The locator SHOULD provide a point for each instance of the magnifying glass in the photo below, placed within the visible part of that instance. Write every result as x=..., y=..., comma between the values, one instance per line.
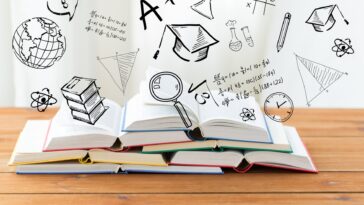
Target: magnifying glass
x=167, y=87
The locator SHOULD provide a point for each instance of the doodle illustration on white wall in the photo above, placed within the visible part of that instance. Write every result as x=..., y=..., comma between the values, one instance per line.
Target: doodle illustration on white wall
x=63, y=7
x=260, y=3
x=171, y=1
x=168, y=87
x=192, y=41
x=323, y=18
x=279, y=107
x=248, y=37
x=119, y=65
x=235, y=44
x=39, y=43
x=247, y=114
x=342, y=47
x=203, y=8
x=42, y=99
x=283, y=33
x=84, y=100
x=145, y=14
x=316, y=78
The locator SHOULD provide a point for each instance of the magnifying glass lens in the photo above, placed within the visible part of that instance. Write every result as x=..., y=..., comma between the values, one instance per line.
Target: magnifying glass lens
x=166, y=87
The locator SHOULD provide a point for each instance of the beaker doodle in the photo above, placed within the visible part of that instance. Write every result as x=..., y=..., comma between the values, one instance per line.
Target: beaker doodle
x=247, y=36
x=235, y=44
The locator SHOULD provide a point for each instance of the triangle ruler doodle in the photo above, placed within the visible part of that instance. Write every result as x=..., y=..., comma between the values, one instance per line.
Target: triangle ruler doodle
x=203, y=8
x=316, y=78
x=119, y=66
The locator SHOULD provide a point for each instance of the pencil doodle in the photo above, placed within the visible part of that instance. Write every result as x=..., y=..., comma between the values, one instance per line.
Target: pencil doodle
x=283, y=33
x=172, y=2
x=265, y=3
x=168, y=87
x=342, y=47
x=84, y=100
x=204, y=96
x=42, y=99
x=316, y=78
x=322, y=18
x=247, y=36
x=192, y=41
x=63, y=7
x=145, y=14
x=120, y=65
x=279, y=107
x=235, y=44
x=203, y=8
x=38, y=43
x=247, y=114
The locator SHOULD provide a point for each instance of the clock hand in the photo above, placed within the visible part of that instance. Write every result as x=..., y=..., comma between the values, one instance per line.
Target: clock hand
x=279, y=106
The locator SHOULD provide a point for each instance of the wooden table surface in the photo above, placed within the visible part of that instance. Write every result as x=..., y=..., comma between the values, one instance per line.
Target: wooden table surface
x=335, y=139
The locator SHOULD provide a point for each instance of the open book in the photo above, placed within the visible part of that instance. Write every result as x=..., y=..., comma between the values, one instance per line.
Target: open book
x=277, y=130
x=144, y=113
x=299, y=159
x=28, y=150
x=66, y=133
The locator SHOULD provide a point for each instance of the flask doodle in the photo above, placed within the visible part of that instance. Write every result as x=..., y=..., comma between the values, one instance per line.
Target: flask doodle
x=235, y=44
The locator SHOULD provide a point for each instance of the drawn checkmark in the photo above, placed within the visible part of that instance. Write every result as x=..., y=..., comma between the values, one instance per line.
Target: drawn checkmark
x=280, y=105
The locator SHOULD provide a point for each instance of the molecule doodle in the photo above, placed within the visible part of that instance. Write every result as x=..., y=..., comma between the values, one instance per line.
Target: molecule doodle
x=43, y=99
x=247, y=114
x=342, y=47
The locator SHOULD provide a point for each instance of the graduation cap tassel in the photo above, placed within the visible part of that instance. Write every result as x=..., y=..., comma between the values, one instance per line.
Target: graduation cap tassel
x=346, y=21
x=156, y=54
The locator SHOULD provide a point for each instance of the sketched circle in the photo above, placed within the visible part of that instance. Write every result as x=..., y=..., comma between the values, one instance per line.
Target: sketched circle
x=154, y=81
x=38, y=43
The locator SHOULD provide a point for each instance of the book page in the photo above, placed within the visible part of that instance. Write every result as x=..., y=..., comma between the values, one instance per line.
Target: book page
x=35, y=131
x=246, y=112
x=109, y=124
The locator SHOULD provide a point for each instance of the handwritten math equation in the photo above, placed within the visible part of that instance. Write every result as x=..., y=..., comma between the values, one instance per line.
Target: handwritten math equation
x=248, y=81
x=106, y=26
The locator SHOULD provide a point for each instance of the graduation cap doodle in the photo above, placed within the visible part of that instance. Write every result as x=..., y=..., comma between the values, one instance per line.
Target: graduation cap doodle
x=322, y=19
x=192, y=41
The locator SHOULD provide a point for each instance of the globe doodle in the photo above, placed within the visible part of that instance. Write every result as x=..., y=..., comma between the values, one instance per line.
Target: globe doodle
x=39, y=43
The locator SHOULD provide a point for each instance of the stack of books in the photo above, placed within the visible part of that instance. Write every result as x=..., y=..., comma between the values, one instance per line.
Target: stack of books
x=146, y=136
x=83, y=98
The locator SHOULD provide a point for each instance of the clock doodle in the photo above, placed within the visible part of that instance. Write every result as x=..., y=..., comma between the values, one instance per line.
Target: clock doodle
x=278, y=107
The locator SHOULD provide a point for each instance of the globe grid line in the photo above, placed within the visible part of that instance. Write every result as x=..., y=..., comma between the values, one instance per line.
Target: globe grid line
x=37, y=49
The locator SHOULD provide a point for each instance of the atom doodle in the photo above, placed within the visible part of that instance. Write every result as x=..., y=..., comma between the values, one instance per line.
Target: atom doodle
x=342, y=47
x=43, y=99
x=247, y=114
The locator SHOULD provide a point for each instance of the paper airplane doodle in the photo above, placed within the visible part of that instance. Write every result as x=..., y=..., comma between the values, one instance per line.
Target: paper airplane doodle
x=63, y=7
x=119, y=65
x=203, y=8
x=322, y=19
x=316, y=78
x=192, y=41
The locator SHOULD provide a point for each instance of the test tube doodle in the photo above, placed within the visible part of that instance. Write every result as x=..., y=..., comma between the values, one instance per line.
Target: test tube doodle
x=247, y=36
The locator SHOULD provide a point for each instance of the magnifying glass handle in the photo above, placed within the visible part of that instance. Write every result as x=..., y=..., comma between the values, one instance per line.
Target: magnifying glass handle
x=183, y=114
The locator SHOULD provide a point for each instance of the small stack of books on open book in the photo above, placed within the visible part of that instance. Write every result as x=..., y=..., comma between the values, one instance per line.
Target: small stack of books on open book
x=146, y=136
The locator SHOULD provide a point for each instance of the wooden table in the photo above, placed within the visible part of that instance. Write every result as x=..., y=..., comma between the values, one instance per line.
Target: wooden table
x=335, y=139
